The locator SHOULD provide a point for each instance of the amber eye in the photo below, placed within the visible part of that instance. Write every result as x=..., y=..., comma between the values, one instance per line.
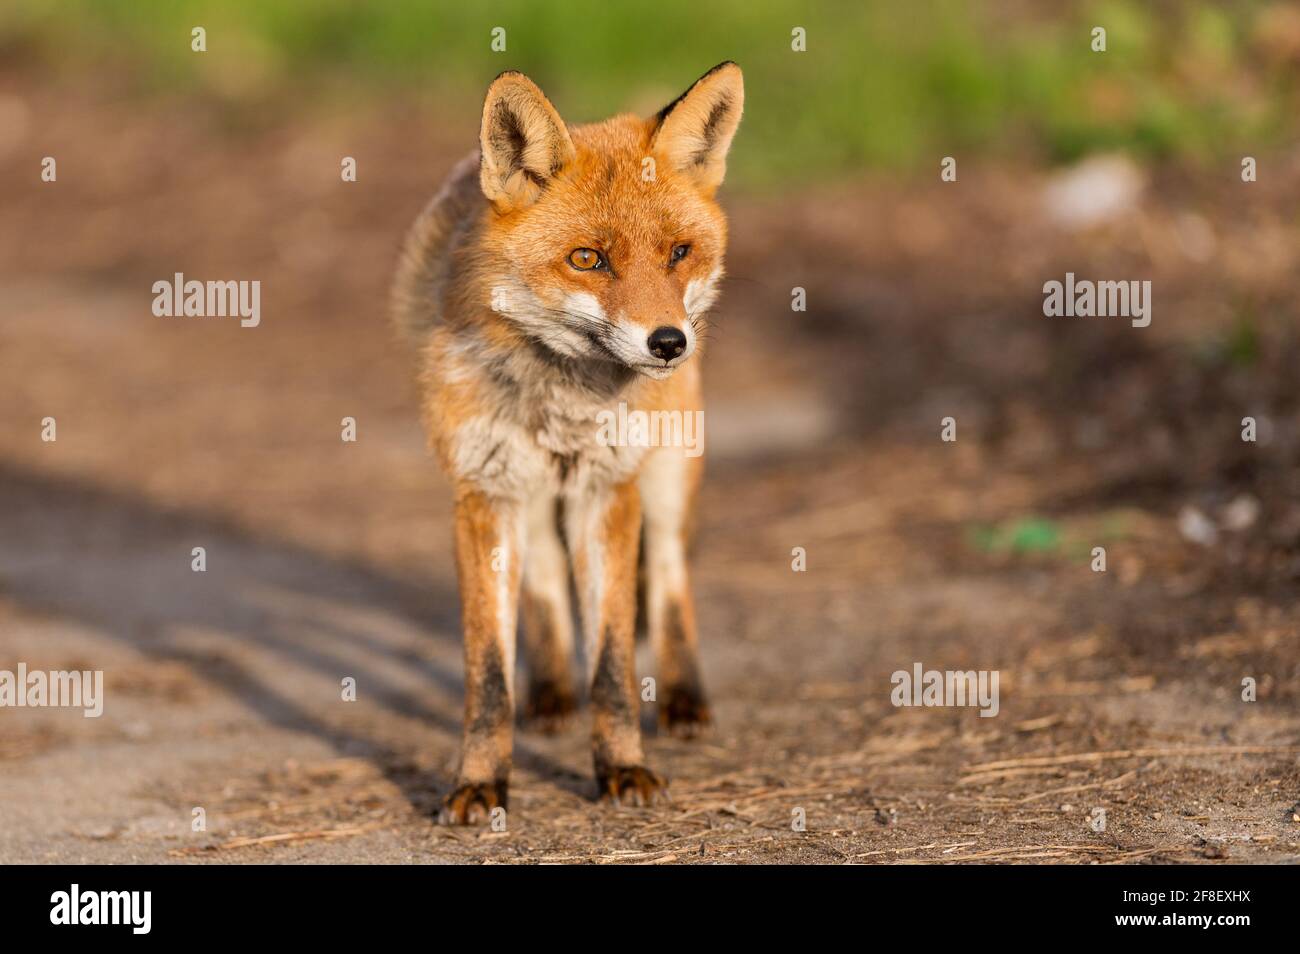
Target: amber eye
x=585, y=259
x=679, y=252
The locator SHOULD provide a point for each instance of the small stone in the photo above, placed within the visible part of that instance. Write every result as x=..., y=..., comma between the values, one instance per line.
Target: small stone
x=1241, y=514
x=1197, y=527
x=1097, y=190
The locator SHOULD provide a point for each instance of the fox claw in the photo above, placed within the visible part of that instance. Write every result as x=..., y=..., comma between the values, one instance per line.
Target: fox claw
x=631, y=786
x=472, y=803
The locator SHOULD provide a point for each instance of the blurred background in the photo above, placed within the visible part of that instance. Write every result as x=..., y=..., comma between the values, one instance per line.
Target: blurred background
x=883, y=85
x=924, y=301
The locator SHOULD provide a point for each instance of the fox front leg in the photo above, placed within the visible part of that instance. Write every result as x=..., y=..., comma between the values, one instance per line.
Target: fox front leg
x=488, y=544
x=602, y=528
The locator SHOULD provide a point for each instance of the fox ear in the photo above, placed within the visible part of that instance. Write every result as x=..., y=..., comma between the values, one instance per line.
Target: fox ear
x=522, y=142
x=694, y=131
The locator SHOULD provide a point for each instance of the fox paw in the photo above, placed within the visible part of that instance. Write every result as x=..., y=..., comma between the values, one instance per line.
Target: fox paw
x=549, y=706
x=631, y=785
x=684, y=712
x=472, y=803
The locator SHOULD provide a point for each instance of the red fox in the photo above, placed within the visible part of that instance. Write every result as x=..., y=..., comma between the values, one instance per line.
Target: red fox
x=561, y=274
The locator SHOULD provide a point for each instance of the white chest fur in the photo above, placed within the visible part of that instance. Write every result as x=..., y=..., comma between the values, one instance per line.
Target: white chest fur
x=541, y=434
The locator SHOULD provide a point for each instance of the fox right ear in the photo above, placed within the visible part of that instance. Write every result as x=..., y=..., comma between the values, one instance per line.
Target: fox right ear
x=522, y=142
x=694, y=131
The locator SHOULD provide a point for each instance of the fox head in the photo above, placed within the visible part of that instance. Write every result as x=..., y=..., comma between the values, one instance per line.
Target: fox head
x=606, y=241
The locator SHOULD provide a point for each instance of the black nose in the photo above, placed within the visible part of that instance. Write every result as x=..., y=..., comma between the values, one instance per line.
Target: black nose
x=667, y=343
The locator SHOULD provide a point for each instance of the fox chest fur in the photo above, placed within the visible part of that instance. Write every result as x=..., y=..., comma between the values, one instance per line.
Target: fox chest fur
x=521, y=424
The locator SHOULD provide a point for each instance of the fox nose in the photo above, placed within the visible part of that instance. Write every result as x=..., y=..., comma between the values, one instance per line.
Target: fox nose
x=666, y=343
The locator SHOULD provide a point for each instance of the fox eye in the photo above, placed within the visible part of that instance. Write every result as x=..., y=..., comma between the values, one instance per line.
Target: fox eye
x=586, y=259
x=679, y=252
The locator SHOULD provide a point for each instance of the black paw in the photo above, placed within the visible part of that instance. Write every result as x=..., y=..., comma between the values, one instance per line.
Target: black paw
x=549, y=707
x=683, y=712
x=472, y=803
x=631, y=785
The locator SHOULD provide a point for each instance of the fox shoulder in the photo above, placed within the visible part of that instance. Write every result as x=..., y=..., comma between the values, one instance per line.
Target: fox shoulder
x=424, y=268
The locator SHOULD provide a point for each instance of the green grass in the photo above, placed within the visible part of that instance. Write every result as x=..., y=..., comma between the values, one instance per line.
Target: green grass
x=1033, y=536
x=896, y=85
x=1021, y=536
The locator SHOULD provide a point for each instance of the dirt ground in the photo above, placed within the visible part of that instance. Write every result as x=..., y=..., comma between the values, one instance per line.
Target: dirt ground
x=1120, y=690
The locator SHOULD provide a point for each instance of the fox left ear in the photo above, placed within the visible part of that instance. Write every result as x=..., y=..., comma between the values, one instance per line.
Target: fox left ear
x=694, y=131
x=522, y=142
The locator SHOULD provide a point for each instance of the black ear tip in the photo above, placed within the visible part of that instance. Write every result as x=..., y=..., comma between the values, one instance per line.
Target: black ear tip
x=507, y=76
